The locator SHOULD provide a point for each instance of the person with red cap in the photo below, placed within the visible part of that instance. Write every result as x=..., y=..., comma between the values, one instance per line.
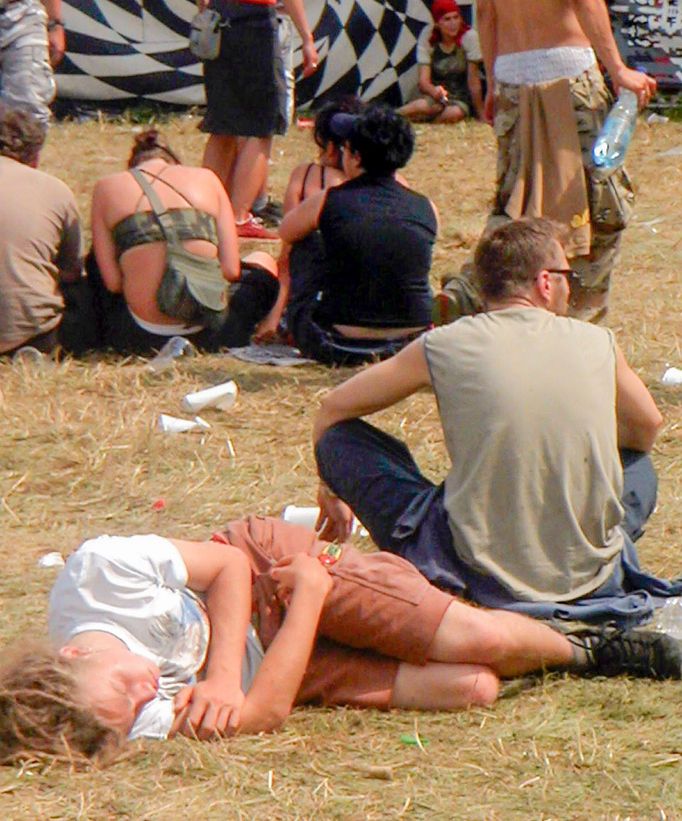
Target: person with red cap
x=449, y=69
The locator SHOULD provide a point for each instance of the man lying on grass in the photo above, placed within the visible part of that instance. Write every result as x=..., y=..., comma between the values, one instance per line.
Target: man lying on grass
x=152, y=636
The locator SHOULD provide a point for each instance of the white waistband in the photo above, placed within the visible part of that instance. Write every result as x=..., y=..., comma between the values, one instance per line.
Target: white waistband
x=165, y=330
x=542, y=65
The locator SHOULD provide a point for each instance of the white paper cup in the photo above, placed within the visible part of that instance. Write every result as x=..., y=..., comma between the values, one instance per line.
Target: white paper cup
x=53, y=559
x=305, y=516
x=171, y=424
x=673, y=376
x=222, y=397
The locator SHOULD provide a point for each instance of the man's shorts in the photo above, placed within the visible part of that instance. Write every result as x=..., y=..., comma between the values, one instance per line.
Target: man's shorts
x=245, y=85
x=379, y=612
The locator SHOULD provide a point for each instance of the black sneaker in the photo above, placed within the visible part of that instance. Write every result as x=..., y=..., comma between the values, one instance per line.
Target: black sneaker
x=640, y=653
x=271, y=213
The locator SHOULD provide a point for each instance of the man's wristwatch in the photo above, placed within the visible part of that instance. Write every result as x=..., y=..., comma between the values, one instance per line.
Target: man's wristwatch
x=53, y=24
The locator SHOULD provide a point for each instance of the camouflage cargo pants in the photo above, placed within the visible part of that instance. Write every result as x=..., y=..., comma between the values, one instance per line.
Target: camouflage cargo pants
x=611, y=200
x=26, y=79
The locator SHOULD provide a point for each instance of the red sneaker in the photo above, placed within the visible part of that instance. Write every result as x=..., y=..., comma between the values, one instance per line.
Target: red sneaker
x=253, y=228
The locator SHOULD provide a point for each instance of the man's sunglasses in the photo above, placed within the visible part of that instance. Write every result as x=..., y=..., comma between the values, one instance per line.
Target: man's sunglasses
x=572, y=276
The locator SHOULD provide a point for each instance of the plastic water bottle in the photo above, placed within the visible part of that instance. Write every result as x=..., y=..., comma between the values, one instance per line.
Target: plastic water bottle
x=608, y=151
x=668, y=619
x=176, y=347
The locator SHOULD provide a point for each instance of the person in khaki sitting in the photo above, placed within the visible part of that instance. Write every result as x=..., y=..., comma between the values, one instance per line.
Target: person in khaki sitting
x=131, y=253
x=44, y=302
x=547, y=430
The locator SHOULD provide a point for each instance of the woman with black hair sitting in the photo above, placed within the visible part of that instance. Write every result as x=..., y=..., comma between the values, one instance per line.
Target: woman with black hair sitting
x=369, y=294
x=306, y=180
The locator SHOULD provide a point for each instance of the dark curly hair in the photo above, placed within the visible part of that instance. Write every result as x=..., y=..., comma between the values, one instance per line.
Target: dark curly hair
x=383, y=139
x=41, y=715
x=322, y=132
x=149, y=145
x=21, y=134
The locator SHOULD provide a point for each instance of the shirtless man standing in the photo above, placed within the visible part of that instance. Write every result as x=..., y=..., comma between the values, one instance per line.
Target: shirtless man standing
x=542, y=56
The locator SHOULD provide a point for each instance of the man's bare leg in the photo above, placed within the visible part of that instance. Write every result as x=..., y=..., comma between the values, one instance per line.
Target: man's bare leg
x=444, y=686
x=249, y=175
x=509, y=643
x=219, y=156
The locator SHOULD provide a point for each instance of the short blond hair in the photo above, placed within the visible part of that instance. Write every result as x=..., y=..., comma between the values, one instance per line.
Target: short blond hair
x=41, y=715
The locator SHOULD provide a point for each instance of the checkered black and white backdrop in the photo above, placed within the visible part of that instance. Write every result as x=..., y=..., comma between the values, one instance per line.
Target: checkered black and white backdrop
x=123, y=49
x=119, y=49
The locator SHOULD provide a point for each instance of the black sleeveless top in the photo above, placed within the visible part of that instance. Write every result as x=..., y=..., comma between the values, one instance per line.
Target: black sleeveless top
x=378, y=237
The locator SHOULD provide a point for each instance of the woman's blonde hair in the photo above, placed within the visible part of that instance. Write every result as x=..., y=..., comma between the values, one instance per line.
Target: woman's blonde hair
x=40, y=714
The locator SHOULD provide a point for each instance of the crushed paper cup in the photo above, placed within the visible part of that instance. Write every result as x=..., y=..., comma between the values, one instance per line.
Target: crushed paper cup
x=171, y=424
x=221, y=396
x=654, y=118
x=53, y=559
x=676, y=151
x=672, y=376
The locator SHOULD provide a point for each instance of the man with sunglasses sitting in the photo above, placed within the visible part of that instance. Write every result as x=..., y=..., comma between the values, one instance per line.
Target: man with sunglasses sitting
x=547, y=429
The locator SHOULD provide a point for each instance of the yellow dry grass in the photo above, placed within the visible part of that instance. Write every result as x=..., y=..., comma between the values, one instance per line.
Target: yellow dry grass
x=79, y=456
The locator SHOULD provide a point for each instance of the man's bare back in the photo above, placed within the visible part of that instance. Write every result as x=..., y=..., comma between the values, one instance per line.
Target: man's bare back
x=524, y=25
x=511, y=26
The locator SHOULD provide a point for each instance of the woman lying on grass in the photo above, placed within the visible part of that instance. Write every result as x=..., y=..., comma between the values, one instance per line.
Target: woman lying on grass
x=153, y=637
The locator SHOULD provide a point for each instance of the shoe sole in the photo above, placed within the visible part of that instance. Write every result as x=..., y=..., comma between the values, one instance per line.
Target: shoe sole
x=260, y=239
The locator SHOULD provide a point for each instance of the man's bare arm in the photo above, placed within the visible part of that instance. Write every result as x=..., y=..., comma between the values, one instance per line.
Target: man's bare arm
x=475, y=88
x=306, y=583
x=56, y=36
x=223, y=573
x=370, y=390
x=296, y=10
x=487, y=32
x=593, y=17
x=375, y=388
x=637, y=415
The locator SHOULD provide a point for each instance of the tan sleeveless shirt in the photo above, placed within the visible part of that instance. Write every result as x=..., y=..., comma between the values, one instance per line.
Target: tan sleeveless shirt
x=527, y=403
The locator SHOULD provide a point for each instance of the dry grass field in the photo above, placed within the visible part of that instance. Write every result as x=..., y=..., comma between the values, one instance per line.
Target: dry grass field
x=79, y=456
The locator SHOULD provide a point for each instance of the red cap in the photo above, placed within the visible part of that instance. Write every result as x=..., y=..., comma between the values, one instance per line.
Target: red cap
x=442, y=7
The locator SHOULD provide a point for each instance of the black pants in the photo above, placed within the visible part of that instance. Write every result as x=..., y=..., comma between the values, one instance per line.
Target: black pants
x=307, y=265
x=250, y=300
x=404, y=512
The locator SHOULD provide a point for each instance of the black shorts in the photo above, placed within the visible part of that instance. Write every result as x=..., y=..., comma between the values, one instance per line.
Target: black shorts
x=245, y=85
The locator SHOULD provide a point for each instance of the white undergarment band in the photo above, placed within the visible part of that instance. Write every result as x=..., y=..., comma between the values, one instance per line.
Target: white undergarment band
x=542, y=65
x=165, y=330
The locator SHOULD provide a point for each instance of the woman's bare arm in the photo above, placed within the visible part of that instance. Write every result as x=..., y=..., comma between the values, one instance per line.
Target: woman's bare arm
x=102, y=239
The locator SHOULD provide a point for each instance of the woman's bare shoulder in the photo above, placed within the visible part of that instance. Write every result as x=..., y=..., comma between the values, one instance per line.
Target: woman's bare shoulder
x=299, y=172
